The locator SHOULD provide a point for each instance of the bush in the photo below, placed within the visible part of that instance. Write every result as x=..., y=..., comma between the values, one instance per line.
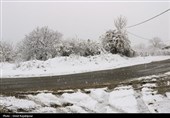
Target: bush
x=115, y=42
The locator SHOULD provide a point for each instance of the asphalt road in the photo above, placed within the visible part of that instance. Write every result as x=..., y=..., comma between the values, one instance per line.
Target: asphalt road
x=83, y=80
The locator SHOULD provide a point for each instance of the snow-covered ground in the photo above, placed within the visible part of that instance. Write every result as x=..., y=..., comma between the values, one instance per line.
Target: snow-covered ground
x=72, y=64
x=141, y=98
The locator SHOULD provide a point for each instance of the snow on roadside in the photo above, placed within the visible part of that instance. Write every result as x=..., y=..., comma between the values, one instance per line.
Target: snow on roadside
x=77, y=102
x=82, y=100
x=117, y=101
x=100, y=95
x=46, y=99
x=72, y=64
x=14, y=104
x=98, y=100
x=168, y=73
x=124, y=100
x=156, y=103
x=44, y=110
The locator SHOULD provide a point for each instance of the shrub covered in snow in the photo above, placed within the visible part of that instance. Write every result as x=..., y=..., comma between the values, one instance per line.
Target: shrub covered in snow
x=116, y=41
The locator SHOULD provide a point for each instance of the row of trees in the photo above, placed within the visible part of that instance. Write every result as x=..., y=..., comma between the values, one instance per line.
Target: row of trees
x=40, y=48
x=44, y=43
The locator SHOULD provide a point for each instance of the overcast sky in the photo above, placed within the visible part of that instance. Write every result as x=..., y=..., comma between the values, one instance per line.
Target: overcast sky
x=87, y=20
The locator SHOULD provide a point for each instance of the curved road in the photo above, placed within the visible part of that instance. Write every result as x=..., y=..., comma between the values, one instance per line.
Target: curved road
x=83, y=80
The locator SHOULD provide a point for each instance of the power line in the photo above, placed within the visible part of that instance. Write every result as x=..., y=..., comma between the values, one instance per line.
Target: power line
x=138, y=36
x=148, y=19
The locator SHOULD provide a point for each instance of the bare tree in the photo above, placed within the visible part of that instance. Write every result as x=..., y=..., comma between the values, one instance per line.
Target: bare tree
x=120, y=23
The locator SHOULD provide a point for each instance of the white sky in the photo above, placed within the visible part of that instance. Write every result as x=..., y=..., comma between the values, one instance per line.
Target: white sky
x=87, y=20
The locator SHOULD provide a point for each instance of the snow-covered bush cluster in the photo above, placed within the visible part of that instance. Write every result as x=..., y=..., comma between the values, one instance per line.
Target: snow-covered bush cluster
x=44, y=43
x=80, y=47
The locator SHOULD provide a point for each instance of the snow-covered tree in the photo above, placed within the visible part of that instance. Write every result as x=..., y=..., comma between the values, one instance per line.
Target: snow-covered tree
x=40, y=44
x=6, y=52
x=116, y=41
x=156, y=42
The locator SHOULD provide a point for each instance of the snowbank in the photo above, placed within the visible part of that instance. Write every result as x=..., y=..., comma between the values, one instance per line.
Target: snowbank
x=14, y=104
x=72, y=64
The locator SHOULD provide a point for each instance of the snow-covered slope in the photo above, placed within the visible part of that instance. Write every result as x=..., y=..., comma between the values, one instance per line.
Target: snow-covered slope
x=72, y=64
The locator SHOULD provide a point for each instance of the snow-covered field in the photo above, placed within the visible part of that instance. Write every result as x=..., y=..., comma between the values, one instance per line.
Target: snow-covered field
x=141, y=97
x=72, y=64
